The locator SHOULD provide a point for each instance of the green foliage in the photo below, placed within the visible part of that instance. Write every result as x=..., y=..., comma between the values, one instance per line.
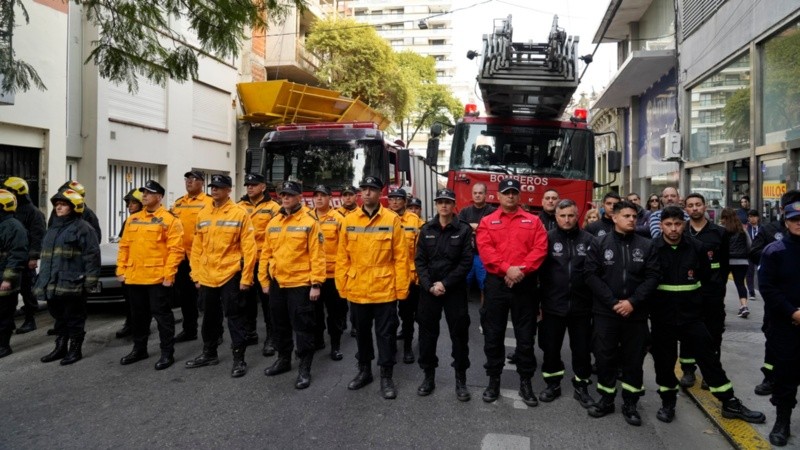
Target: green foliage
x=781, y=89
x=16, y=74
x=737, y=117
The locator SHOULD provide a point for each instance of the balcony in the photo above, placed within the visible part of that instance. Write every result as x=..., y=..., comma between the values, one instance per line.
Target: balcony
x=294, y=63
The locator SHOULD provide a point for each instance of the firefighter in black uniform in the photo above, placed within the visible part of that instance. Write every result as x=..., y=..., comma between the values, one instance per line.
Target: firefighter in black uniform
x=13, y=259
x=88, y=215
x=443, y=258
x=606, y=223
x=715, y=245
x=548, y=213
x=622, y=272
x=566, y=305
x=676, y=314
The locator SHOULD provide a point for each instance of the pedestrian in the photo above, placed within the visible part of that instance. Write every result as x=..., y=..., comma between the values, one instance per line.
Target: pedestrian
x=349, y=203
x=653, y=203
x=622, y=272
x=443, y=258
x=70, y=268
x=642, y=215
x=669, y=196
x=472, y=215
x=330, y=223
x=738, y=248
x=592, y=215
x=150, y=251
x=744, y=209
x=605, y=225
x=372, y=273
x=411, y=224
x=566, y=306
x=291, y=271
x=512, y=244
x=186, y=208
x=13, y=260
x=777, y=275
x=548, y=214
x=415, y=206
x=88, y=215
x=223, y=257
x=752, y=229
x=676, y=315
x=715, y=242
x=261, y=209
x=33, y=220
x=133, y=202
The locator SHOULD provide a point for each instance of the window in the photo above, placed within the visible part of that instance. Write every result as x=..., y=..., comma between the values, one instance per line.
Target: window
x=781, y=88
x=148, y=107
x=436, y=42
x=211, y=109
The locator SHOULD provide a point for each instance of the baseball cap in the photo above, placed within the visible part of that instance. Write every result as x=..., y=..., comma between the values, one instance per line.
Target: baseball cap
x=291, y=188
x=254, y=178
x=508, y=184
x=153, y=186
x=398, y=193
x=321, y=188
x=415, y=202
x=349, y=190
x=220, y=181
x=373, y=182
x=445, y=194
x=791, y=210
x=194, y=173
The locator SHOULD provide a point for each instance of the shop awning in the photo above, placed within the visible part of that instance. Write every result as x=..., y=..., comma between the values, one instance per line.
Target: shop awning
x=639, y=72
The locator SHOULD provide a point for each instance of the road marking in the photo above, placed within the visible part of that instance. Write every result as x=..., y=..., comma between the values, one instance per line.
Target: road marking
x=493, y=441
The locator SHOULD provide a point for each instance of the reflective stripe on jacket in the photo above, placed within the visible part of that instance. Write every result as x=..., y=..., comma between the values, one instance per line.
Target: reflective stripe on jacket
x=70, y=259
x=186, y=209
x=224, y=244
x=151, y=248
x=292, y=253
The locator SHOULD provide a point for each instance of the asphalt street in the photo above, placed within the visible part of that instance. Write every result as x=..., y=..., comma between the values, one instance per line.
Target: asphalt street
x=97, y=403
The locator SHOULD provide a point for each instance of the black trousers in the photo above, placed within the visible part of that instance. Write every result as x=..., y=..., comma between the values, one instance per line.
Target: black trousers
x=337, y=312
x=714, y=320
x=29, y=303
x=429, y=316
x=552, y=329
x=150, y=301
x=384, y=315
x=291, y=310
x=187, y=297
x=69, y=313
x=408, y=311
x=619, y=342
x=784, y=343
x=769, y=350
x=224, y=301
x=665, y=339
x=8, y=306
x=499, y=299
x=253, y=297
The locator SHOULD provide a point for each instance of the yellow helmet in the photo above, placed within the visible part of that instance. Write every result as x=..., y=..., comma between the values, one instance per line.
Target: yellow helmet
x=8, y=201
x=76, y=186
x=72, y=197
x=133, y=195
x=16, y=185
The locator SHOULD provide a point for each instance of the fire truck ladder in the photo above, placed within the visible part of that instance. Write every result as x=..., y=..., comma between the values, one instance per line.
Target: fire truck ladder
x=528, y=79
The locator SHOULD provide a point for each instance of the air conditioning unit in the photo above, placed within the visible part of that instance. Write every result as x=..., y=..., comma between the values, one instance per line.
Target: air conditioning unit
x=671, y=146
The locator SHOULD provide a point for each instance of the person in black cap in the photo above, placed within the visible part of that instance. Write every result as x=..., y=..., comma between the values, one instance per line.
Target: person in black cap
x=415, y=206
x=261, y=209
x=186, y=209
x=512, y=244
x=408, y=307
x=349, y=203
x=150, y=251
x=443, y=258
x=223, y=258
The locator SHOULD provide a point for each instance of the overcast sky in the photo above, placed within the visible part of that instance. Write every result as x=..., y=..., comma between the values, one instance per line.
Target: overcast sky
x=531, y=20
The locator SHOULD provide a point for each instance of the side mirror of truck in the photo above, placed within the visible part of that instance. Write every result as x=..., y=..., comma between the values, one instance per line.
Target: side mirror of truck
x=403, y=160
x=614, y=161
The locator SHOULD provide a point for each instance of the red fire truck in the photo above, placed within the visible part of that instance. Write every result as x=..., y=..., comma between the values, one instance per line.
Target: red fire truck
x=526, y=88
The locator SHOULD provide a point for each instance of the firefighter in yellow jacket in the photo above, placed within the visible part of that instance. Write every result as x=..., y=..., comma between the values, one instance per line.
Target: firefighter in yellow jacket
x=150, y=251
x=372, y=273
x=186, y=209
x=223, y=258
x=292, y=270
x=408, y=307
x=261, y=208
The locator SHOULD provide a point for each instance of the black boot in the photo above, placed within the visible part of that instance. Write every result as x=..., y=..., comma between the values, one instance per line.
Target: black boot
x=125, y=331
x=492, y=391
x=667, y=412
x=733, y=408
x=630, y=413
x=5, y=347
x=336, y=342
x=74, y=353
x=239, y=368
x=388, y=391
x=137, y=354
x=167, y=359
x=408, y=353
x=186, y=336
x=28, y=325
x=688, y=379
x=428, y=383
x=583, y=397
x=304, y=372
x=526, y=392
x=602, y=408
x=251, y=338
x=779, y=436
x=766, y=386
x=281, y=365
x=462, y=393
x=363, y=378
x=59, y=352
x=269, y=348
x=551, y=392
x=207, y=358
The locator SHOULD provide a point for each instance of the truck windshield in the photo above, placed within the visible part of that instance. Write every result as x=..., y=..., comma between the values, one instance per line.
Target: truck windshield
x=334, y=164
x=519, y=149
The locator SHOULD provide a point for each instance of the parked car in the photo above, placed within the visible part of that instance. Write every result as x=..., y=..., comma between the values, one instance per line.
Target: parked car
x=109, y=289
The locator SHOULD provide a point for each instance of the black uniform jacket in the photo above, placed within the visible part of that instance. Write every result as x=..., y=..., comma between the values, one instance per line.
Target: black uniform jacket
x=771, y=232
x=622, y=267
x=715, y=241
x=562, y=278
x=684, y=269
x=444, y=254
x=777, y=279
x=13, y=252
x=70, y=262
x=600, y=227
x=33, y=220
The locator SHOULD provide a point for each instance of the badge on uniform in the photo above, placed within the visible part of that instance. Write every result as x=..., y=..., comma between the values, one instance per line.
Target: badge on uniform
x=321, y=238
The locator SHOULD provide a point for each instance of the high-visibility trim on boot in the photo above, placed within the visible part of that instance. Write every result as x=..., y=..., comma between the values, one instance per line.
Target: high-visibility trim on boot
x=667, y=389
x=630, y=388
x=723, y=388
x=769, y=366
x=608, y=390
x=554, y=374
x=580, y=380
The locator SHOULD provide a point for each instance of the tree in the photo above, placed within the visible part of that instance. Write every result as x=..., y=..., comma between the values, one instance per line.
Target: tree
x=737, y=118
x=136, y=37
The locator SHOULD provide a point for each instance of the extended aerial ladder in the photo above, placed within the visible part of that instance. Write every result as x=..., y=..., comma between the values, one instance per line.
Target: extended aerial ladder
x=528, y=79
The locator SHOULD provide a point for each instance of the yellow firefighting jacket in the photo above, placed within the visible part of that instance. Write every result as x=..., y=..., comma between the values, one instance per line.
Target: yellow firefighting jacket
x=260, y=215
x=330, y=224
x=411, y=226
x=151, y=247
x=372, y=259
x=292, y=253
x=186, y=209
x=344, y=211
x=224, y=244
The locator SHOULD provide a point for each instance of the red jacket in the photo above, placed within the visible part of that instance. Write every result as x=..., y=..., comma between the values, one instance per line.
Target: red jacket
x=516, y=239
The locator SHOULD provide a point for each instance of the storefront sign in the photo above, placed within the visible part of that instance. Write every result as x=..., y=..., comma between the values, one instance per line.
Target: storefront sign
x=773, y=190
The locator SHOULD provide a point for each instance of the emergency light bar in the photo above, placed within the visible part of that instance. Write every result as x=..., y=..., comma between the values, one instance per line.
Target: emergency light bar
x=580, y=114
x=471, y=109
x=328, y=126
